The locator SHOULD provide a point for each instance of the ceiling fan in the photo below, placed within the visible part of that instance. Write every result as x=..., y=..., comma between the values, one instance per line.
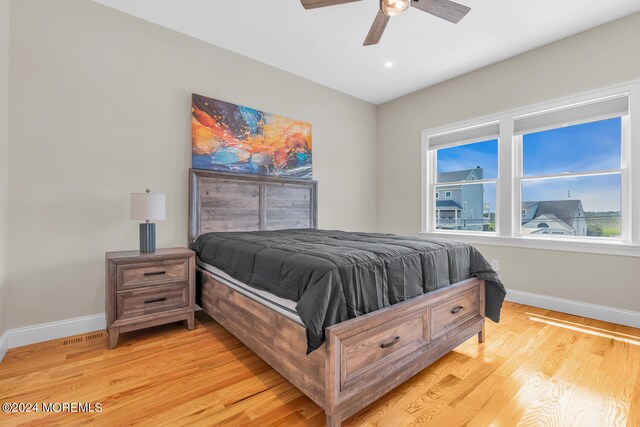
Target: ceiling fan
x=445, y=9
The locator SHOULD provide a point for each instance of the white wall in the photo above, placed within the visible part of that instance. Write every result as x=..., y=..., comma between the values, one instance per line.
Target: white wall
x=598, y=58
x=4, y=153
x=101, y=108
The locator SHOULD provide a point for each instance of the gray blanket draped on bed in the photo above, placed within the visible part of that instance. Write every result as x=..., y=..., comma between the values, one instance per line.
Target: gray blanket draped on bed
x=335, y=275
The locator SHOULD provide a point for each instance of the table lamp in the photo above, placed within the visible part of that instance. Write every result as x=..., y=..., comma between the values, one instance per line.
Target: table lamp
x=147, y=207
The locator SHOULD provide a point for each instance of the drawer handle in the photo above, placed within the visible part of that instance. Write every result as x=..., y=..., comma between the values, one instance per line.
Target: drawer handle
x=457, y=309
x=149, y=301
x=390, y=343
x=155, y=273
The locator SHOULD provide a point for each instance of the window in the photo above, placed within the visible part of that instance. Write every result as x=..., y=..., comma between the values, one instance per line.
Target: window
x=437, y=194
x=557, y=173
x=571, y=175
x=466, y=170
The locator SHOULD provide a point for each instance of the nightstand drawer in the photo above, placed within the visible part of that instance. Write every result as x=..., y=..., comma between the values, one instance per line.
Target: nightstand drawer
x=150, y=301
x=152, y=273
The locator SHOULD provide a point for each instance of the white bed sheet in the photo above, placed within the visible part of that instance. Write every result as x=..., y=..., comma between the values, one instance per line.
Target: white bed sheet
x=281, y=305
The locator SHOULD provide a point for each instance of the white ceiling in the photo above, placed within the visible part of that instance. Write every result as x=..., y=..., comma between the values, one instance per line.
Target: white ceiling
x=325, y=45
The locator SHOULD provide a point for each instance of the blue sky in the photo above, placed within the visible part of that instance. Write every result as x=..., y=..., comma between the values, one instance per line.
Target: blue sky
x=579, y=148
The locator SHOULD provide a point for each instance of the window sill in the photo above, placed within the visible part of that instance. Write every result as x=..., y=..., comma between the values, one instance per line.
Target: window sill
x=615, y=247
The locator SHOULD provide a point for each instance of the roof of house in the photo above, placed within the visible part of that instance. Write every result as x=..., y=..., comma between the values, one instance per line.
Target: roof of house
x=565, y=210
x=447, y=204
x=549, y=221
x=461, y=175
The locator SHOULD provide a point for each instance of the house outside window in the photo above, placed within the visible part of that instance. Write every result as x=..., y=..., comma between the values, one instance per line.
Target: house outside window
x=466, y=189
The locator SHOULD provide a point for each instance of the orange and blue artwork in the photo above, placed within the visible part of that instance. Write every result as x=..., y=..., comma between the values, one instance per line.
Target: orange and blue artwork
x=232, y=138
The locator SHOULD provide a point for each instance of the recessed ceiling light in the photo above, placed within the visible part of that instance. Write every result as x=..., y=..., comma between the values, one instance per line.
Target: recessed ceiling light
x=388, y=64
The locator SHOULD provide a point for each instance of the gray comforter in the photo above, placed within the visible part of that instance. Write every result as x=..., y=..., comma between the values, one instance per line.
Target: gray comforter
x=337, y=275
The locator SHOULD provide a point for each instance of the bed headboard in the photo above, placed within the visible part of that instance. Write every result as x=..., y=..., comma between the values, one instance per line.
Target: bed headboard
x=221, y=201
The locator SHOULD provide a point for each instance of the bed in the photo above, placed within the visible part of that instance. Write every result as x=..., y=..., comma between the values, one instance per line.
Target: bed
x=355, y=360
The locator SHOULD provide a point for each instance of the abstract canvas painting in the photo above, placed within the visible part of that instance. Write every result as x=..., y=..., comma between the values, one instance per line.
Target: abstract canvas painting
x=232, y=138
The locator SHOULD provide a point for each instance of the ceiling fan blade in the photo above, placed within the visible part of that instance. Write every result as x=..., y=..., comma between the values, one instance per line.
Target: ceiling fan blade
x=313, y=4
x=377, y=28
x=445, y=9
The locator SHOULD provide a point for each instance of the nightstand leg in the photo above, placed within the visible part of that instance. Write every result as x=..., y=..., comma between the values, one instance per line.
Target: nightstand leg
x=191, y=322
x=113, y=337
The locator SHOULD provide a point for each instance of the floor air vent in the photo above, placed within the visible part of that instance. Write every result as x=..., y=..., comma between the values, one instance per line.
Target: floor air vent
x=94, y=336
x=85, y=338
x=73, y=341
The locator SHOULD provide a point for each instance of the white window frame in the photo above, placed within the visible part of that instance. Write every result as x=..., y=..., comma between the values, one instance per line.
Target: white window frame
x=430, y=156
x=520, y=178
x=448, y=194
x=508, y=184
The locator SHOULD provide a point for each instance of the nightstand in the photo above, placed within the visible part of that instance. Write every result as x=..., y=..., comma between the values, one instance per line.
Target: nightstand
x=149, y=289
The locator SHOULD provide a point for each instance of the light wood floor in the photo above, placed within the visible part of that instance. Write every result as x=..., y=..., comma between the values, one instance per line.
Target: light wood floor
x=537, y=368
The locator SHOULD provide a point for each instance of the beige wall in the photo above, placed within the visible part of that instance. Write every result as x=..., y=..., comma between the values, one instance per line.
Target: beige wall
x=4, y=152
x=598, y=58
x=101, y=108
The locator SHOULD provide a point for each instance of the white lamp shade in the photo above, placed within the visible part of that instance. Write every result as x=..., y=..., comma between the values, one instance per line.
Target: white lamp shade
x=148, y=206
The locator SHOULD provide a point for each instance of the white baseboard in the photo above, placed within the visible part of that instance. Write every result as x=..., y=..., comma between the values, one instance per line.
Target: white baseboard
x=81, y=325
x=51, y=331
x=4, y=344
x=54, y=330
x=592, y=311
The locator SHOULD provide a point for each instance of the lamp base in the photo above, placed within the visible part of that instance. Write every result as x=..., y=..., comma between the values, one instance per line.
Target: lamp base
x=147, y=237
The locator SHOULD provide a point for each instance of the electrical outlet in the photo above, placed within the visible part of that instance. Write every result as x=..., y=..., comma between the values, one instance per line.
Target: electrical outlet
x=495, y=263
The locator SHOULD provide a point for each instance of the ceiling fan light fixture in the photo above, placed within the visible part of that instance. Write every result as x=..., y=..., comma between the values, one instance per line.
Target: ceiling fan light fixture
x=394, y=7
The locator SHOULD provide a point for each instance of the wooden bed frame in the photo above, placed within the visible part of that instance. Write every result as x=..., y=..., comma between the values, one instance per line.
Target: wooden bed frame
x=362, y=358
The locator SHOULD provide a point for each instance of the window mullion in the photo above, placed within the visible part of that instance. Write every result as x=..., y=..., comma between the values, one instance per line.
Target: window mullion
x=517, y=167
x=504, y=190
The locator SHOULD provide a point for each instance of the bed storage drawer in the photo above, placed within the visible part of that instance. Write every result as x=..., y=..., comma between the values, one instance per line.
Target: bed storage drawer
x=152, y=273
x=364, y=354
x=151, y=301
x=454, y=311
